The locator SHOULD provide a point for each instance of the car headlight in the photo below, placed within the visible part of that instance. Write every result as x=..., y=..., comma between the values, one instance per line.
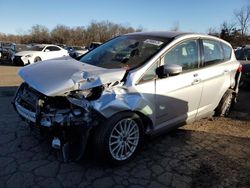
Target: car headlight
x=28, y=56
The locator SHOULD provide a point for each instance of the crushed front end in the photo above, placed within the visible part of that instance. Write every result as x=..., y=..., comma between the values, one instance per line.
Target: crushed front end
x=61, y=118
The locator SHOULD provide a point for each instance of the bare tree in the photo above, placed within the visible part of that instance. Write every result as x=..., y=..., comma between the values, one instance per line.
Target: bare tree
x=40, y=34
x=228, y=27
x=60, y=34
x=176, y=26
x=243, y=19
x=213, y=31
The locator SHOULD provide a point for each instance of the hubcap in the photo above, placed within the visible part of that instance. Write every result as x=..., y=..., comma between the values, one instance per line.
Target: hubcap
x=124, y=139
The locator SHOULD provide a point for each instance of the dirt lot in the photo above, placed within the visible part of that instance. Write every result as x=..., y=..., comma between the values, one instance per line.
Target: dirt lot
x=209, y=153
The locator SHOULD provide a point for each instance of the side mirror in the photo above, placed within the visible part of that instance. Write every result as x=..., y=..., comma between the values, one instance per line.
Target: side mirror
x=47, y=50
x=168, y=70
x=172, y=69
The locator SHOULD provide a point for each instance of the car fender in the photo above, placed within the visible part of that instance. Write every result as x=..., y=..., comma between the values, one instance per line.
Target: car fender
x=112, y=102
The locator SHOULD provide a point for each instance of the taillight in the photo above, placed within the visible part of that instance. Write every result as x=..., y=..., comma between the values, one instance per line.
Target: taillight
x=239, y=68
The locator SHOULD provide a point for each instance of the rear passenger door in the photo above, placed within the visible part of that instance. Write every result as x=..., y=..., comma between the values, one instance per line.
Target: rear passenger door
x=214, y=73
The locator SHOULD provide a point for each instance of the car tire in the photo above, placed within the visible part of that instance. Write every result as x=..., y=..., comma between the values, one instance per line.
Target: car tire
x=225, y=104
x=118, y=139
x=37, y=59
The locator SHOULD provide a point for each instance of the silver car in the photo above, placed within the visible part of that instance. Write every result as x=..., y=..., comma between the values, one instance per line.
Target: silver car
x=131, y=86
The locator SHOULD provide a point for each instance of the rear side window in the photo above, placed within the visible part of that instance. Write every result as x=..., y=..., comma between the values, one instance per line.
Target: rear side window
x=227, y=51
x=212, y=52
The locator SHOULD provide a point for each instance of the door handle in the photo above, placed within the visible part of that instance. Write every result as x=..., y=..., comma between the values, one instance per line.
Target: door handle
x=195, y=75
x=196, y=81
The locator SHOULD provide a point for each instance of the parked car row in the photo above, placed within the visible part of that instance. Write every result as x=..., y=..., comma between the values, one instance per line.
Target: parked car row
x=39, y=52
x=28, y=54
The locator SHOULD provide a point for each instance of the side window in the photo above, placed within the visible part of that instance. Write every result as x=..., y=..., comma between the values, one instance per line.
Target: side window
x=150, y=74
x=185, y=54
x=212, y=52
x=227, y=51
x=48, y=48
x=53, y=48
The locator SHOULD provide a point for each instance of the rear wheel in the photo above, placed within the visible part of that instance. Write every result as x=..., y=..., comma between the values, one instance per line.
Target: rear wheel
x=119, y=139
x=225, y=104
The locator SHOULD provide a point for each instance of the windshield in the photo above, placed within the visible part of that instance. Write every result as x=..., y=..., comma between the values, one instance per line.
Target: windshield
x=36, y=48
x=126, y=52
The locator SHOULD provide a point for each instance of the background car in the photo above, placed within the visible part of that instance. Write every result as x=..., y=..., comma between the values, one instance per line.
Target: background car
x=7, y=51
x=39, y=52
x=71, y=51
x=76, y=51
x=94, y=45
x=243, y=55
x=80, y=50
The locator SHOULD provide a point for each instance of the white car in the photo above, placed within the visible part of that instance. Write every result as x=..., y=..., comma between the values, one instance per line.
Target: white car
x=39, y=52
x=132, y=86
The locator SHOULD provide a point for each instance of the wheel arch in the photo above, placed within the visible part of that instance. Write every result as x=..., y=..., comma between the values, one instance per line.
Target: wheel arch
x=146, y=121
x=98, y=140
x=221, y=103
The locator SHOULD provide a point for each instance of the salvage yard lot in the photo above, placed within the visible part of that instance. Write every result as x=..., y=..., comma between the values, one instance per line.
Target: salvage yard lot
x=209, y=153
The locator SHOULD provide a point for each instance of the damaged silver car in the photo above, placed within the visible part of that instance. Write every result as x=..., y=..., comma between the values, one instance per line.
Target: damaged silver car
x=131, y=86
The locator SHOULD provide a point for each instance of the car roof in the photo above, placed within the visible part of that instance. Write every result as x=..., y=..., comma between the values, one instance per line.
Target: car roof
x=163, y=34
x=176, y=34
x=45, y=45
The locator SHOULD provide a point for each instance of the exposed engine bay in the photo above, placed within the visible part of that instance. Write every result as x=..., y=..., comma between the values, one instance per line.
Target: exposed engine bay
x=59, y=116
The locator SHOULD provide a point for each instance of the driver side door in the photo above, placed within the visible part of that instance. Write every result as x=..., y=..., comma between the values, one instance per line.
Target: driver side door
x=177, y=97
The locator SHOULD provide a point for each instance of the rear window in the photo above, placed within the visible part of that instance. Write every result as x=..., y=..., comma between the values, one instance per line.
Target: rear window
x=227, y=51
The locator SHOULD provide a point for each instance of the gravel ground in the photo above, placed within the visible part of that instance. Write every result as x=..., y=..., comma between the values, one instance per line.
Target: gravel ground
x=8, y=75
x=208, y=153
x=237, y=124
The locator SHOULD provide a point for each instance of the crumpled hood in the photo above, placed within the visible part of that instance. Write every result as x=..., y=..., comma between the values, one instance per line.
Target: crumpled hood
x=57, y=77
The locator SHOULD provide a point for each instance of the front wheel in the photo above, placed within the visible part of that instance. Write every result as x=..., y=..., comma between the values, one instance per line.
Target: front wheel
x=37, y=59
x=225, y=104
x=119, y=139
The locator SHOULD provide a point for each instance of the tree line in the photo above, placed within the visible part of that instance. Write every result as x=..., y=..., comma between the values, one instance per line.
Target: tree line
x=61, y=34
x=235, y=31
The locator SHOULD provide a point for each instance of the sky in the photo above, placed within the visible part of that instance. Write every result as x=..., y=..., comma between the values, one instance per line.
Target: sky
x=18, y=16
